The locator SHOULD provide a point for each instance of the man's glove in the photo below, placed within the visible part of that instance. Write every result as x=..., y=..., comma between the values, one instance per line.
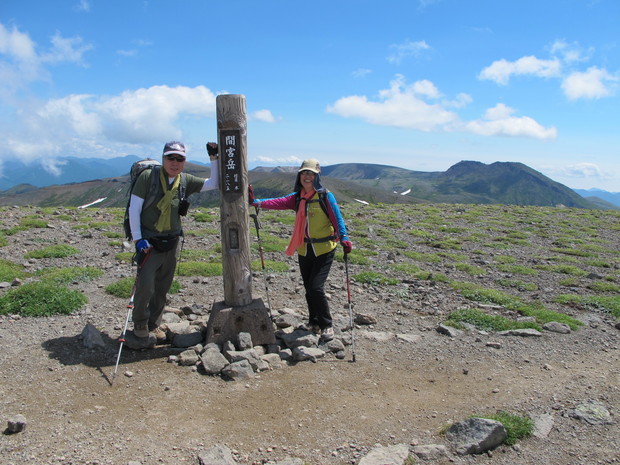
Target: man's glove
x=346, y=246
x=212, y=149
x=251, y=198
x=142, y=246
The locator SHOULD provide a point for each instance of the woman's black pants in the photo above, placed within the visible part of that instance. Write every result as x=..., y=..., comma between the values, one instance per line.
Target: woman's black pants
x=314, y=272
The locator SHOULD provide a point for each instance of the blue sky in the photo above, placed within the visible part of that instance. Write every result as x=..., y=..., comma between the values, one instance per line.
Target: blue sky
x=419, y=84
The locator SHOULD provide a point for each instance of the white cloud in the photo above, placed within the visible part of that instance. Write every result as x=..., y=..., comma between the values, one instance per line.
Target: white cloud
x=399, y=106
x=16, y=45
x=585, y=170
x=412, y=107
x=461, y=100
x=263, y=115
x=406, y=49
x=288, y=160
x=498, y=121
x=66, y=49
x=591, y=84
x=97, y=126
x=83, y=5
x=361, y=72
x=500, y=71
x=21, y=63
x=569, y=53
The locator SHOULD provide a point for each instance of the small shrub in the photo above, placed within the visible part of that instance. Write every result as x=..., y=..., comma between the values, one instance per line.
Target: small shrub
x=124, y=256
x=517, y=426
x=411, y=269
x=121, y=288
x=470, y=269
x=124, y=287
x=53, y=251
x=355, y=258
x=422, y=257
x=604, y=286
x=610, y=304
x=204, y=217
x=29, y=222
x=486, y=322
x=569, y=282
x=193, y=268
x=492, y=296
x=41, y=299
x=70, y=274
x=9, y=270
x=564, y=269
x=574, y=252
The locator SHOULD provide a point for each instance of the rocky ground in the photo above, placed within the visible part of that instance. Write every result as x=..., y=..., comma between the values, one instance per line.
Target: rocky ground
x=407, y=384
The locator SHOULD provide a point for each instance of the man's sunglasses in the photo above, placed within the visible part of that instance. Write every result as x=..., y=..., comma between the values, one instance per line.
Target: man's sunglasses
x=173, y=158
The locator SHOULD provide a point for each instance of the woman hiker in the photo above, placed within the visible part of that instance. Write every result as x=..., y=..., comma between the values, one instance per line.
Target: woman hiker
x=319, y=228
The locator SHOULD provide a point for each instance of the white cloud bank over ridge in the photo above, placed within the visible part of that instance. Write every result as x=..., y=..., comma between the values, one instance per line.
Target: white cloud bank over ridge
x=133, y=117
x=593, y=83
x=417, y=106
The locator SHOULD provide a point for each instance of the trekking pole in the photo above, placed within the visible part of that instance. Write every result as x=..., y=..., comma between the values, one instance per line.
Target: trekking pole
x=346, y=268
x=262, y=260
x=122, y=339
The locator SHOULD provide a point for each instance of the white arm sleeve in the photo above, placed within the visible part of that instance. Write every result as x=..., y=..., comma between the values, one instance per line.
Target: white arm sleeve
x=135, y=208
x=214, y=181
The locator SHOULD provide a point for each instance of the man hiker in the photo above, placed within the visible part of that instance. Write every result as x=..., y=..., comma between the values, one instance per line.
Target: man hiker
x=156, y=230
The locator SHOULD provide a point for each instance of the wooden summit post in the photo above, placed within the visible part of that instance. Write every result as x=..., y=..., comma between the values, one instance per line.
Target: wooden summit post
x=238, y=312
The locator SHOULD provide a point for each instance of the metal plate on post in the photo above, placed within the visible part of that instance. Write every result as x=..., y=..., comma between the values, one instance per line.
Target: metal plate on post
x=231, y=165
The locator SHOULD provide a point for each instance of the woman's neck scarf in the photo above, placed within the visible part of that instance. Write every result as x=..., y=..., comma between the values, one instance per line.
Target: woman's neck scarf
x=299, y=230
x=165, y=204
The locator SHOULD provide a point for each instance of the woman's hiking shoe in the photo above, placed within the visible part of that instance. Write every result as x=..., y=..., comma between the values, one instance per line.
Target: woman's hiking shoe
x=327, y=334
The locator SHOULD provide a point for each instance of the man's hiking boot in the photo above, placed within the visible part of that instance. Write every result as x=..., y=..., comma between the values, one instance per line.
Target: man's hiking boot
x=327, y=334
x=314, y=328
x=141, y=329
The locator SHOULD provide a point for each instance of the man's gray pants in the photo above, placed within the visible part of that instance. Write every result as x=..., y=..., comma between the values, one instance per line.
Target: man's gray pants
x=152, y=285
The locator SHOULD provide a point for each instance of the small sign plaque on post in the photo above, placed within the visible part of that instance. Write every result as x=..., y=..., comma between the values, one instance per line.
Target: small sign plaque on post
x=231, y=164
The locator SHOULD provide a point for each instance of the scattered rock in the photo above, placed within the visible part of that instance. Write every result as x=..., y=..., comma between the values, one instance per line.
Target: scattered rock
x=449, y=331
x=556, y=327
x=525, y=332
x=543, y=424
x=216, y=455
x=16, y=424
x=91, y=337
x=476, y=435
x=431, y=452
x=593, y=412
x=390, y=455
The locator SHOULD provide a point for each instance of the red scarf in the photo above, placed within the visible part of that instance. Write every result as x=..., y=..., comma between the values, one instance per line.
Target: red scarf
x=299, y=231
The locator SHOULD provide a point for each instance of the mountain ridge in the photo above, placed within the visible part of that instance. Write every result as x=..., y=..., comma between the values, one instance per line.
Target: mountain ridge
x=510, y=183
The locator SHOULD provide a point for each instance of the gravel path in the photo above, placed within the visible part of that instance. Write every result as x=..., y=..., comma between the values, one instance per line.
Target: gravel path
x=407, y=384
